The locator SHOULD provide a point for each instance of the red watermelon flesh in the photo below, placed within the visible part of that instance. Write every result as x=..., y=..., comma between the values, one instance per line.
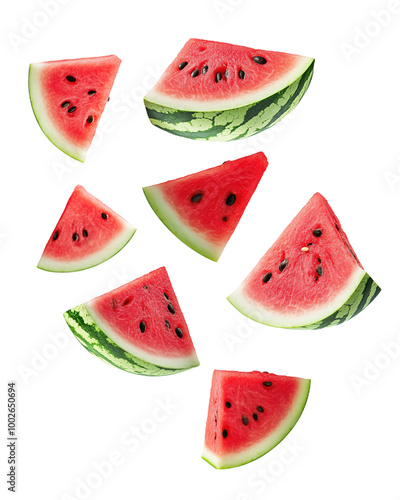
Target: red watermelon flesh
x=203, y=209
x=144, y=318
x=310, y=272
x=87, y=233
x=250, y=413
x=234, y=63
x=68, y=98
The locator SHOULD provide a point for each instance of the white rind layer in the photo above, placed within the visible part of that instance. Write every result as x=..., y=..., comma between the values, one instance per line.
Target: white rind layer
x=267, y=316
x=238, y=101
x=165, y=362
x=44, y=119
x=253, y=452
x=67, y=266
x=173, y=221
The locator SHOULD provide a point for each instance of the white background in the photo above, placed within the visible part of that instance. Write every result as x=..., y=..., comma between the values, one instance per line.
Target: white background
x=75, y=412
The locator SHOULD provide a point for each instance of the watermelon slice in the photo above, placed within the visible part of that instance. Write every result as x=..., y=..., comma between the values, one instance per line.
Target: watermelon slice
x=68, y=98
x=310, y=278
x=138, y=327
x=249, y=414
x=219, y=92
x=203, y=209
x=87, y=234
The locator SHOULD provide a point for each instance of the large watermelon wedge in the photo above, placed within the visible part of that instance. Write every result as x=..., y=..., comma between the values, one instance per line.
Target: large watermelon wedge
x=219, y=92
x=138, y=327
x=68, y=98
x=203, y=209
x=310, y=278
x=87, y=234
x=249, y=414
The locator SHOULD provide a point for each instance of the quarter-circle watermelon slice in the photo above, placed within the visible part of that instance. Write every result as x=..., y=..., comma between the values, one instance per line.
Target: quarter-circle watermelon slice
x=249, y=413
x=310, y=278
x=138, y=327
x=68, y=98
x=87, y=233
x=203, y=209
x=219, y=92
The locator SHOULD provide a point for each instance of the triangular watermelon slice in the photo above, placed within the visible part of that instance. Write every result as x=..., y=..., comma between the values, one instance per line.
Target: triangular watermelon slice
x=220, y=92
x=68, y=98
x=203, y=209
x=138, y=327
x=249, y=414
x=87, y=234
x=310, y=278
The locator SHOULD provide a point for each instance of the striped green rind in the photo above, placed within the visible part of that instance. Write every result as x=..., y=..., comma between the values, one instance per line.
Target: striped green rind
x=231, y=124
x=364, y=294
x=270, y=441
x=358, y=300
x=98, y=343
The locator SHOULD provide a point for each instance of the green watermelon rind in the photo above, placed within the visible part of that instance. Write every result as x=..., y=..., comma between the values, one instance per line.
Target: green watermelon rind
x=266, y=445
x=360, y=296
x=44, y=120
x=93, y=338
x=235, y=123
x=171, y=219
x=114, y=247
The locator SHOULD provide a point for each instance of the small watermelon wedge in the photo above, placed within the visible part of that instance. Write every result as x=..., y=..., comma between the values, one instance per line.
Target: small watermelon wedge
x=87, y=234
x=138, y=327
x=68, y=98
x=310, y=278
x=220, y=92
x=249, y=414
x=203, y=209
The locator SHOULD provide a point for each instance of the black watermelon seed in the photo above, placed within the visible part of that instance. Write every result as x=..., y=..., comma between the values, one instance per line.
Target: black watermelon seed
x=71, y=78
x=224, y=433
x=319, y=260
x=228, y=404
x=241, y=74
x=204, y=69
x=267, y=277
x=91, y=92
x=283, y=265
x=309, y=244
x=259, y=60
x=171, y=309
x=245, y=420
x=337, y=227
x=195, y=73
x=85, y=233
x=142, y=326
x=90, y=119
x=166, y=296
x=104, y=216
x=230, y=200
x=317, y=233
x=108, y=98
x=55, y=235
x=146, y=287
x=168, y=324
x=71, y=109
x=182, y=65
x=225, y=218
x=218, y=77
x=65, y=104
x=267, y=383
x=179, y=332
x=260, y=409
x=127, y=301
x=255, y=416
x=320, y=271
x=75, y=236
x=196, y=198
